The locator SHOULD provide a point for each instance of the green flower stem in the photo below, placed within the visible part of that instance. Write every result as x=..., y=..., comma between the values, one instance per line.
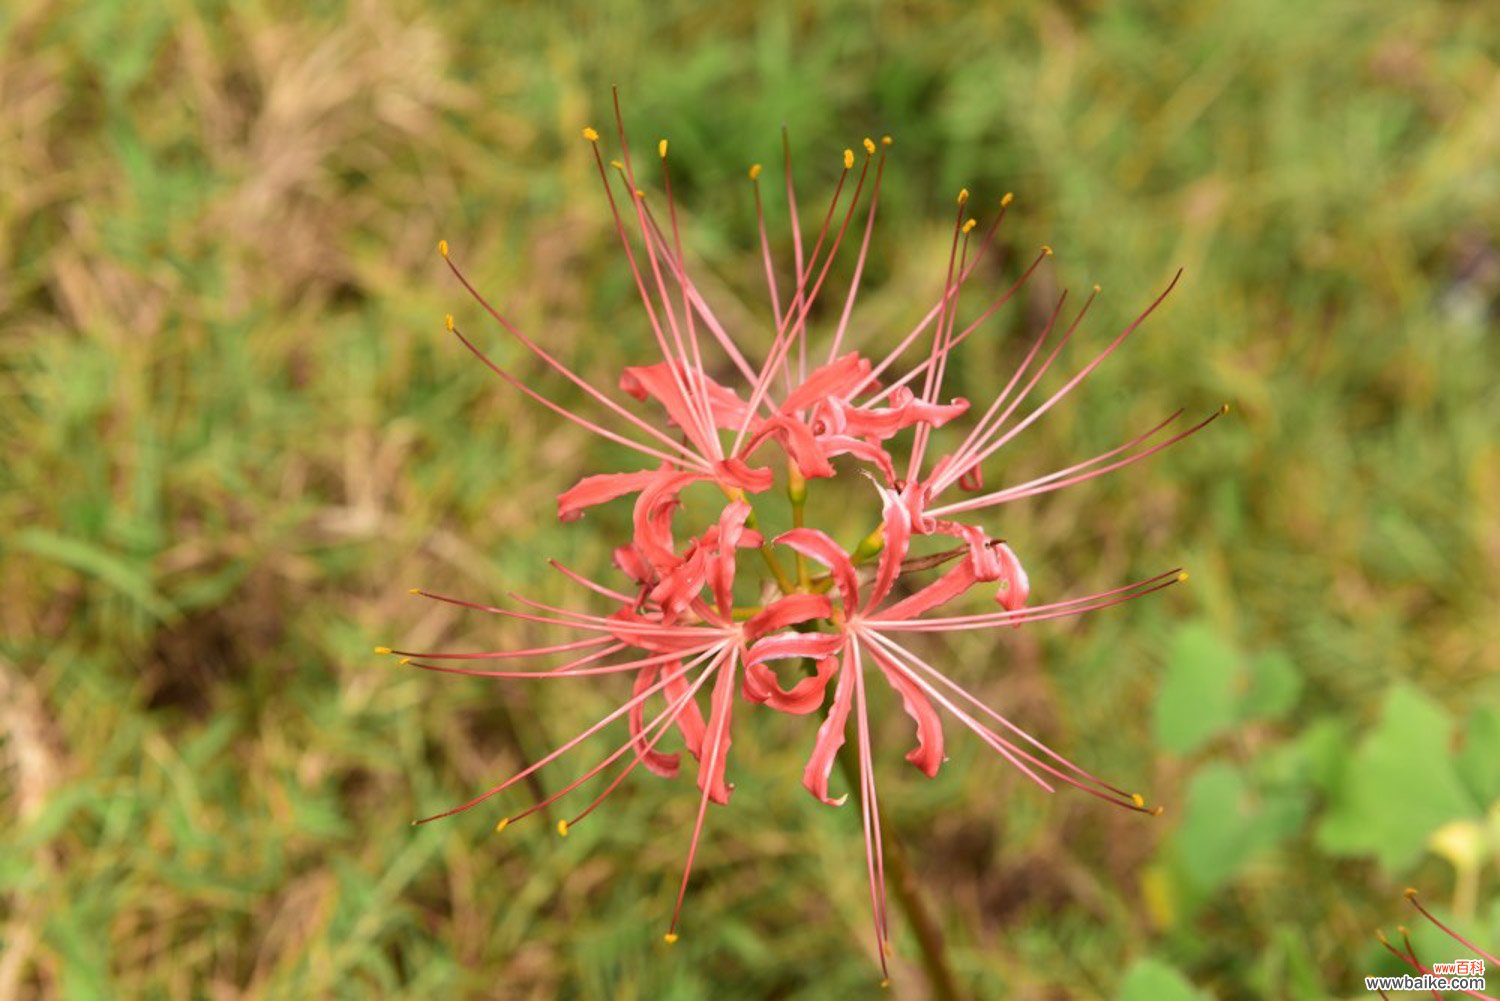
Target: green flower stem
x=785, y=583
x=796, y=492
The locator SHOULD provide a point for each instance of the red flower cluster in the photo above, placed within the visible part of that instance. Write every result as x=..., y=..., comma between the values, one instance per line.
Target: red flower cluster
x=703, y=621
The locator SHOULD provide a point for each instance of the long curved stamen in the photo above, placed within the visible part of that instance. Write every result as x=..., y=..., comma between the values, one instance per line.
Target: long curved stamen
x=1075, y=776
x=1065, y=478
x=553, y=755
x=765, y=246
x=795, y=316
x=1082, y=374
x=723, y=699
x=680, y=265
x=1037, y=613
x=686, y=457
x=538, y=651
x=895, y=353
x=594, y=586
x=870, y=815
x=575, y=669
x=1411, y=896
x=700, y=306
x=976, y=448
x=1082, y=773
x=796, y=225
x=864, y=249
x=932, y=383
x=661, y=724
x=703, y=431
x=983, y=426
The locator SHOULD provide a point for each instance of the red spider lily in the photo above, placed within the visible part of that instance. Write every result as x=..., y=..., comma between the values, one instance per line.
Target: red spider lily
x=1408, y=955
x=677, y=629
x=864, y=625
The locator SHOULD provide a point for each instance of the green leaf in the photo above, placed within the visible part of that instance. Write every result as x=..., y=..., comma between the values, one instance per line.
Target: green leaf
x=1274, y=686
x=1197, y=699
x=1479, y=760
x=1401, y=786
x=1225, y=826
x=130, y=578
x=1154, y=980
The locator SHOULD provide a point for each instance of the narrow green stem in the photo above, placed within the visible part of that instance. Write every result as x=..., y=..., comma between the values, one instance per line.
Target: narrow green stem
x=784, y=582
x=796, y=492
x=924, y=924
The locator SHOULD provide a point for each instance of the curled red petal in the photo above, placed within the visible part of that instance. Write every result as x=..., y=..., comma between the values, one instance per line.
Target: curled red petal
x=659, y=762
x=834, y=379
x=629, y=560
x=592, y=490
x=787, y=611
x=941, y=591
x=928, y=754
x=737, y=473
x=653, y=516
x=689, y=721
x=784, y=645
x=984, y=556
x=804, y=697
x=895, y=522
x=885, y=422
x=1015, y=585
x=721, y=574
x=817, y=545
x=830, y=737
x=714, y=757
x=797, y=440
x=839, y=444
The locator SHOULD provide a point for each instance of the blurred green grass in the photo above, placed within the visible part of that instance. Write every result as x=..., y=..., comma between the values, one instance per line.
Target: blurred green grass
x=236, y=434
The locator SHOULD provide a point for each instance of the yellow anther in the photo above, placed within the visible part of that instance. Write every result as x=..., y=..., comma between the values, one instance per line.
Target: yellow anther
x=640, y=194
x=443, y=247
x=885, y=984
x=404, y=660
x=500, y=827
x=1046, y=250
x=1223, y=409
x=963, y=195
x=1138, y=799
x=562, y=828
x=414, y=590
x=886, y=140
x=590, y=133
x=969, y=226
x=869, y=145
x=617, y=164
x=1009, y=197
x=848, y=158
x=1409, y=893
x=1381, y=935
x=1157, y=811
x=670, y=938
x=754, y=171
x=448, y=321
x=382, y=649
x=1403, y=930
x=661, y=148
x=1182, y=576
x=1098, y=289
